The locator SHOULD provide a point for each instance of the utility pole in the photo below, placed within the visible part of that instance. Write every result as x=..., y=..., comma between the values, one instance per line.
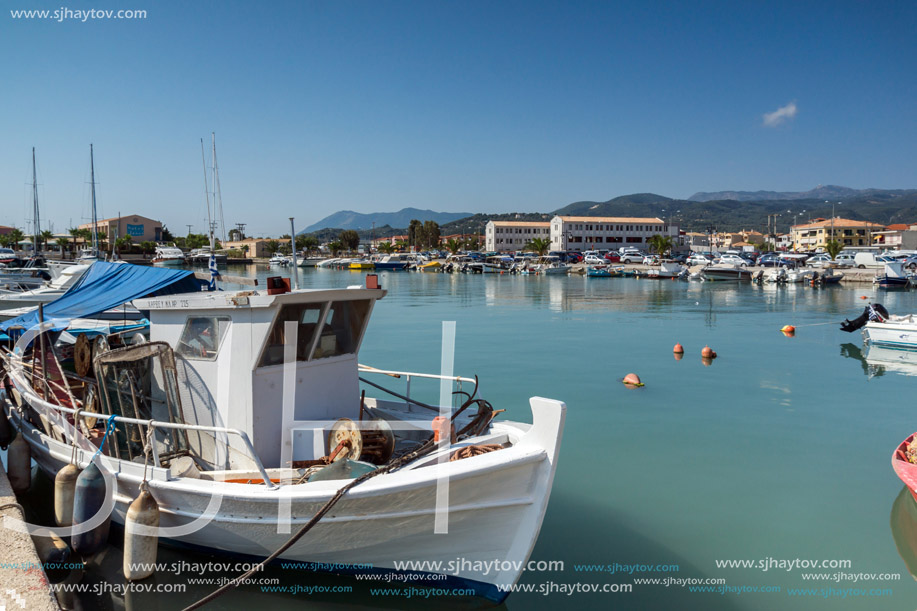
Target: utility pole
x=189, y=229
x=241, y=228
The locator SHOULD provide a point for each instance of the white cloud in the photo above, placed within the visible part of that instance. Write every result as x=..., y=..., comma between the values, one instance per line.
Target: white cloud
x=781, y=115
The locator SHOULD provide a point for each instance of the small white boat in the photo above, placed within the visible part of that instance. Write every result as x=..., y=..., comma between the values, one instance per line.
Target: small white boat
x=309, y=261
x=327, y=263
x=280, y=260
x=668, y=269
x=894, y=331
x=168, y=256
x=795, y=276
x=237, y=461
x=727, y=272
x=778, y=275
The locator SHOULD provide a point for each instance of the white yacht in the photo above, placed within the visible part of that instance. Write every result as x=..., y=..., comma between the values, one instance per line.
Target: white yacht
x=168, y=256
x=52, y=289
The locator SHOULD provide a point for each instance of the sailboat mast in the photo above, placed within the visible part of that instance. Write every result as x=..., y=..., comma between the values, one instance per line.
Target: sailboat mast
x=218, y=194
x=95, y=220
x=36, y=227
x=213, y=168
x=206, y=194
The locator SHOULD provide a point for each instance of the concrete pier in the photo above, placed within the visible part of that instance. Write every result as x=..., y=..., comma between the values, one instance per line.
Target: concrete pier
x=23, y=583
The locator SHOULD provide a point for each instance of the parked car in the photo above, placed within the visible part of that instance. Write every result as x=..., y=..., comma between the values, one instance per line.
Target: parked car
x=632, y=257
x=574, y=257
x=699, y=259
x=612, y=257
x=768, y=260
x=729, y=259
x=910, y=262
x=594, y=260
x=845, y=259
x=651, y=260
x=820, y=260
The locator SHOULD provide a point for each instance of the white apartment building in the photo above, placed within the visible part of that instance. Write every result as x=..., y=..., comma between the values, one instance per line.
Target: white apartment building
x=607, y=233
x=510, y=236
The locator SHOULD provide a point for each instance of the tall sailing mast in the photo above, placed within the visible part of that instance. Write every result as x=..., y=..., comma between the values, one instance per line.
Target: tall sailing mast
x=217, y=192
x=95, y=220
x=36, y=225
x=207, y=196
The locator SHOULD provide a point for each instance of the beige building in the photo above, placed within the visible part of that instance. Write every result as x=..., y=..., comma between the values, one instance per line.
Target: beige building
x=139, y=228
x=607, y=232
x=510, y=236
x=257, y=247
x=814, y=235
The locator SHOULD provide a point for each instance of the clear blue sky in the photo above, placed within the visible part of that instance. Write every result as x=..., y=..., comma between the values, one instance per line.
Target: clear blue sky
x=474, y=106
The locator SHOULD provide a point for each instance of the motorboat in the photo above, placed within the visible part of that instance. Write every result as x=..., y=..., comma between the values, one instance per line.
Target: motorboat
x=884, y=329
x=795, y=276
x=827, y=277
x=201, y=256
x=360, y=264
x=168, y=256
x=726, y=272
x=778, y=275
x=895, y=276
x=668, y=269
x=395, y=261
x=251, y=405
x=552, y=266
x=308, y=261
x=49, y=292
x=280, y=260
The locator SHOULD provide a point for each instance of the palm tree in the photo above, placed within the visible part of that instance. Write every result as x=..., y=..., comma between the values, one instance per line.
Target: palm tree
x=245, y=250
x=15, y=237
x=833, y=247
x=272, y=246
x=660, y=244
x=43, y=238
x=453, y=246
x=401, y=245
x=335, y=247
x=63, y=244
x=124, y=242
x=540, y=246
x=386, y=247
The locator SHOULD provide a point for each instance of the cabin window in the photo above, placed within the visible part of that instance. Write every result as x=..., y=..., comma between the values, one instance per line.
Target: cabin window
x=342, y=329
x=307, y=317
x=201, y=337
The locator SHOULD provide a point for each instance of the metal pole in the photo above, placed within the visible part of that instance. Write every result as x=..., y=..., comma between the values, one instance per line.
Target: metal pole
x=293, y=250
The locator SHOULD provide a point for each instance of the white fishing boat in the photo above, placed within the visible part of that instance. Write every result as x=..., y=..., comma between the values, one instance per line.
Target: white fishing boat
x=550, y=266
x=726, y=272
x=250, y=402
x=168, y=256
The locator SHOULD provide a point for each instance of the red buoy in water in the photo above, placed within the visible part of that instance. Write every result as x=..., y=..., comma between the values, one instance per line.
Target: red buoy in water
x=678, y=349
x=707, y=352
x=632, y=379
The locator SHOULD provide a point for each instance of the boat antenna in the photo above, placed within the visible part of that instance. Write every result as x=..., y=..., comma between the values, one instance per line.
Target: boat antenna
x=206, y=195
x=293, y=250
x=36, y=226
x=95, y=220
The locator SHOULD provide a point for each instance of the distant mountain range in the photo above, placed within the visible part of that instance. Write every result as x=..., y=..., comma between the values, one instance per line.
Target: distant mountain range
x=724, y=210
x=348, y=219
x=829, y=192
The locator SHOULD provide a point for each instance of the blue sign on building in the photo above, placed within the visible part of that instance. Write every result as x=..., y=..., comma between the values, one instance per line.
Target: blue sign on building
x=135, y=230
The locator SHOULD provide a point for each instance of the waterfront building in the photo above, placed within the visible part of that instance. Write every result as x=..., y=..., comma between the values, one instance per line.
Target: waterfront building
x=815, y=234
x=257, y=247
x=900, y=236
x=139, y=228
x=510, y=236
x=608, y=233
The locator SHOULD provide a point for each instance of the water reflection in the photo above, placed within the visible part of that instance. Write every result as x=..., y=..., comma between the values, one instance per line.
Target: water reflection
x=903, y=523
x=879, y=360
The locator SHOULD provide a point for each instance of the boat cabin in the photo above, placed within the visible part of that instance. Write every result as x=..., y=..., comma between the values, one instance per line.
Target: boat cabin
x=264, y=363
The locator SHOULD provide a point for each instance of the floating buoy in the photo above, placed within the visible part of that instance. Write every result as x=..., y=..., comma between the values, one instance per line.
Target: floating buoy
x=863, y=297
x=140, y=549
x=19, y=469
x=88, y=498
x=632, y=379
x=708, y=353
x=788, y=329
x=64, y=489
x=678, y=349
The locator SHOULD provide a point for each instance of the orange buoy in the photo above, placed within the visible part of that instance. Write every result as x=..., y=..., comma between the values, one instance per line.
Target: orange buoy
x=863, y=297
x=632, y=379
x=788, y=329
x=707, y=352
x=678, y=349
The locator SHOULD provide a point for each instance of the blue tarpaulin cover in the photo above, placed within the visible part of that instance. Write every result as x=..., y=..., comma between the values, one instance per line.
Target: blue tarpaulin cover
x=108, y=285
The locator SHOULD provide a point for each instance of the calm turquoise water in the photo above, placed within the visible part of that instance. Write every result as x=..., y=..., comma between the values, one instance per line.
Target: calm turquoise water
x=781, y=449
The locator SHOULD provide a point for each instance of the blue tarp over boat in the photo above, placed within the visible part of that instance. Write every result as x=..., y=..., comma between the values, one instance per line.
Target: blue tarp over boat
x=108, y=285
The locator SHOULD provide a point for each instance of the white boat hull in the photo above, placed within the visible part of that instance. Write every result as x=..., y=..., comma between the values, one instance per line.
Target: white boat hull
x=496, y=504
x=901, y=334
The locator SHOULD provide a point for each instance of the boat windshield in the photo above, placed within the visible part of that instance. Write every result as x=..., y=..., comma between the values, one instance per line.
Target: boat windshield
x=321, y=330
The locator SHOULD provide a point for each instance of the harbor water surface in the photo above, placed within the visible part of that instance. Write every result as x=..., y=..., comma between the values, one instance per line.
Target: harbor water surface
x=776, y=453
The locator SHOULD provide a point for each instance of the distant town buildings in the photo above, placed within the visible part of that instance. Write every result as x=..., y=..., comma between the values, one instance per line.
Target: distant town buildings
x=257, y=247
x=607, y=233
x=510, y=236
x=139, y=228
x=813, y=235
x=4, y=230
